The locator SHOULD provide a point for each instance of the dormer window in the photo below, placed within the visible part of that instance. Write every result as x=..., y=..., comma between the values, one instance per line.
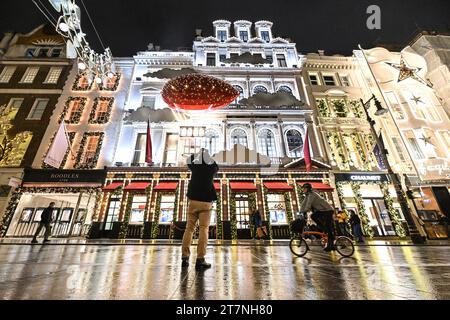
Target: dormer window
x=265, y=36
x=222, y=35
x=243, y=34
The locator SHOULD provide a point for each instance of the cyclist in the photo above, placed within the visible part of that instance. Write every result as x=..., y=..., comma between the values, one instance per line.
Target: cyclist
x=322, y=213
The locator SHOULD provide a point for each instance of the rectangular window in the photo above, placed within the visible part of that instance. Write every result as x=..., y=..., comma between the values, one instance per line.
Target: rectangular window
x=314, y=79
x=29, y=75
x=395, y=106
x=418, y=154
x=269, y=58
x=167, y=209
x=265, y=36
x=211, y=59
x=170, y=157
x=432, y=113
x=281, y=59
x=38, y=109
x=277, y=209
x=242, y=211
x=83, y=82
x=445, y=137
x=398, y=148
x=43, y=52
x=345, y=81
x=113, y=213
x=222, y=57
x=243, y=35
x=328, y=80
x=56, y=52
x=222, y=35
x=14, y=104
x=30, y=52
x=7, y=74
x=53, y=75
x=75, y=110
x=90, y=150
x=101, y=115
x=139, y=149
x=138, y=209
x=111, y=82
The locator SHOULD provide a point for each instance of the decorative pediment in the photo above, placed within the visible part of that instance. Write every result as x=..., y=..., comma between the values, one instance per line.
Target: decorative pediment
x=234, y=40
x=300, y=163
x=48, y=42
x=256, y=40
x=211, y=39
x=150, y=90
x=279, y=40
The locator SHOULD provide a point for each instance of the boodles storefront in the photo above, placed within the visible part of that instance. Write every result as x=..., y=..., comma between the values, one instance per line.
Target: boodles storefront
x=76, y=194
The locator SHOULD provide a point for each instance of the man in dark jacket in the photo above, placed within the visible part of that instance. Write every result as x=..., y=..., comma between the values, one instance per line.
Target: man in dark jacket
x=46, y=219
x=322, y=213
x=200, y=193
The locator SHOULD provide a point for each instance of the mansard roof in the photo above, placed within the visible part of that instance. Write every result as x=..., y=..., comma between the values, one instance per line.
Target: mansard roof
x=279, y=40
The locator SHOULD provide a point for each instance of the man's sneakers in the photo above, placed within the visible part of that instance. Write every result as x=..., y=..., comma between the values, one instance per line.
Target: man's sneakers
x=184, y=262
x=34, y=241
x=201, y=264
x=328, y=249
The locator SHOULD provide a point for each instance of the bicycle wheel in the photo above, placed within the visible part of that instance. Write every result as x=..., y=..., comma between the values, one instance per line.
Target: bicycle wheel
x=344, y=246
x=298, y=246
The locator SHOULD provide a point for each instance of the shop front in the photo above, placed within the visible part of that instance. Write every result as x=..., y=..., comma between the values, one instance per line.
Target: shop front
x=374, y=199
x=75, y=193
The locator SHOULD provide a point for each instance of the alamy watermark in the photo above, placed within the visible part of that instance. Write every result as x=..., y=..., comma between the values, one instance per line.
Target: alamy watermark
x=373, y=22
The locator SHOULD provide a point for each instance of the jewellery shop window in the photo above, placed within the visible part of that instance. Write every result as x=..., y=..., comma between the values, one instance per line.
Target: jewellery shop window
x=167, y=209
x=277, y=209
x=137, y=210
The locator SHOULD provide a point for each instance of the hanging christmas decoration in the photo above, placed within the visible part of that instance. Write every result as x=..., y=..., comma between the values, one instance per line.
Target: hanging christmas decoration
x=198, y=92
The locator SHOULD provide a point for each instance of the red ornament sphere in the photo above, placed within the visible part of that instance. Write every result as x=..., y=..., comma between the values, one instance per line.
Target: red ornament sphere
x=198, y=92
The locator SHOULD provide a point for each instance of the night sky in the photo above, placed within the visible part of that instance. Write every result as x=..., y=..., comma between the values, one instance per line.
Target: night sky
x=127, y=26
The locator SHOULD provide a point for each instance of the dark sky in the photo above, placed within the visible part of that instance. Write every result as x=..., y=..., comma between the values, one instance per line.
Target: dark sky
x=337, y=26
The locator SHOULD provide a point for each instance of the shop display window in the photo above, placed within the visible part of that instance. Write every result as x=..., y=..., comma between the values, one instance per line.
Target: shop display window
x=138, y=209
x=80, y=215
x=27, y=213
x=37, y=214
x=113, y=213
x=277, y=209
x=167, y=209
x=242, y=211
x=66, y=214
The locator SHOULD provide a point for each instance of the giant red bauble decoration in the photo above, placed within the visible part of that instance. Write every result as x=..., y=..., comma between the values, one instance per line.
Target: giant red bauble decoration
x=198, y=92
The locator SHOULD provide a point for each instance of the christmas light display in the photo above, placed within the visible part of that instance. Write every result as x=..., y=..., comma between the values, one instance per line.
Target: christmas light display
x=198, y=92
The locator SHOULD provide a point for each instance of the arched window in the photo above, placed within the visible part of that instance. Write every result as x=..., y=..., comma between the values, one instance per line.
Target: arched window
x=295, y=143
x=259, y=89
x=285, y=89
x=238, y=136
x=241, y=94
x=266, y=143
x=211, y=141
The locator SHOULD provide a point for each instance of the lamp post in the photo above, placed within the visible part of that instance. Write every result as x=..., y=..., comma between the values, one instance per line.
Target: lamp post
x=413, y=232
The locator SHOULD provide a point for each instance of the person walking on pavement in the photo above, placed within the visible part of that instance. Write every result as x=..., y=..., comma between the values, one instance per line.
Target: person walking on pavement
x=201, y=193
x=46, y=219
x=342, y=223
x=322, y=213
x=355, y=222
x=256, y=220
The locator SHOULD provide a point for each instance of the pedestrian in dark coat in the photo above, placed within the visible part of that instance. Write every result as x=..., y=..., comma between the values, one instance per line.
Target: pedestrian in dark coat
x=355, y=222
x=46, y=219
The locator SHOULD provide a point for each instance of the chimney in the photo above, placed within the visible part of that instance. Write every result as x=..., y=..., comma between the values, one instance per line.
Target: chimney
x=4, y=44
x=157, y=48
x=321, y=52
x=198, y=34
x=150, y=47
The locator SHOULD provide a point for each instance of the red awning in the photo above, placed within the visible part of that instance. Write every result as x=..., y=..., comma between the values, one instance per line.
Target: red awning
x=217, y=185
x=277, y=186
x=112, y=186
x=249, y=186
x=318, y=185
x=137, y=186
x=167, y=186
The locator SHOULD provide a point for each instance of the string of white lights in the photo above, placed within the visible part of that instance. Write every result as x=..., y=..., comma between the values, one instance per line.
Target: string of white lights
x=96, y=67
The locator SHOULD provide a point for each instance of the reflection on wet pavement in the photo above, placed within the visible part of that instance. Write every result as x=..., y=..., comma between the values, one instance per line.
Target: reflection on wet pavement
x=238, y=272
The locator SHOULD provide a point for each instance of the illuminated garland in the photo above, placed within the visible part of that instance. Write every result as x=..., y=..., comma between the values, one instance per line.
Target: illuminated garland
x=361, y=208
x=356, y=108
x=339, y=108
x=63, y=162
x=369, y=140
x=9, y=212
x=333, y=140
x=148, y=194
x=92, y=119
x=355, y=138
x=393, y=214
x=175, y=210
x=233, y=219
x=126, y=218
x=324, y=111
x=97, y=204
x=155, y=224
x=76, y=87
x=114, y=88
x=74, y=117
x=266, y=207
x=287, y=203
x=93, y=162
x=219, y=217
x=251, y=206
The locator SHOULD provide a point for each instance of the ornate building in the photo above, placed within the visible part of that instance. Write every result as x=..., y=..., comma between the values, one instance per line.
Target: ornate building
x=33, y=70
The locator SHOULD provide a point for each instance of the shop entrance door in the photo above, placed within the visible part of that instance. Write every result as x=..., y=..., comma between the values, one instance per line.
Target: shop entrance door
x=379, y=217
x=242, y=216
x=112, y=215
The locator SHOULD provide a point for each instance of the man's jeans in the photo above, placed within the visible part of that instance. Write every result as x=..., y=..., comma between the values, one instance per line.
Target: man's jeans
x=324, y=220
x=201, y=211
x=48, y=230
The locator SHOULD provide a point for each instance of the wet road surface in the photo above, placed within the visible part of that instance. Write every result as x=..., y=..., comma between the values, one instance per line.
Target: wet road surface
x=238, y=272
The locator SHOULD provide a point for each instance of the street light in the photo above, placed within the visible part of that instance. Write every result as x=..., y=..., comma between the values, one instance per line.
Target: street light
x=416, y=237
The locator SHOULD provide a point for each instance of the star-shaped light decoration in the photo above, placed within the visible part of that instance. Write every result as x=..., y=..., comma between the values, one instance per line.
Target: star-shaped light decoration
x=416, y=99
x=408, y=72
x=426, y=140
